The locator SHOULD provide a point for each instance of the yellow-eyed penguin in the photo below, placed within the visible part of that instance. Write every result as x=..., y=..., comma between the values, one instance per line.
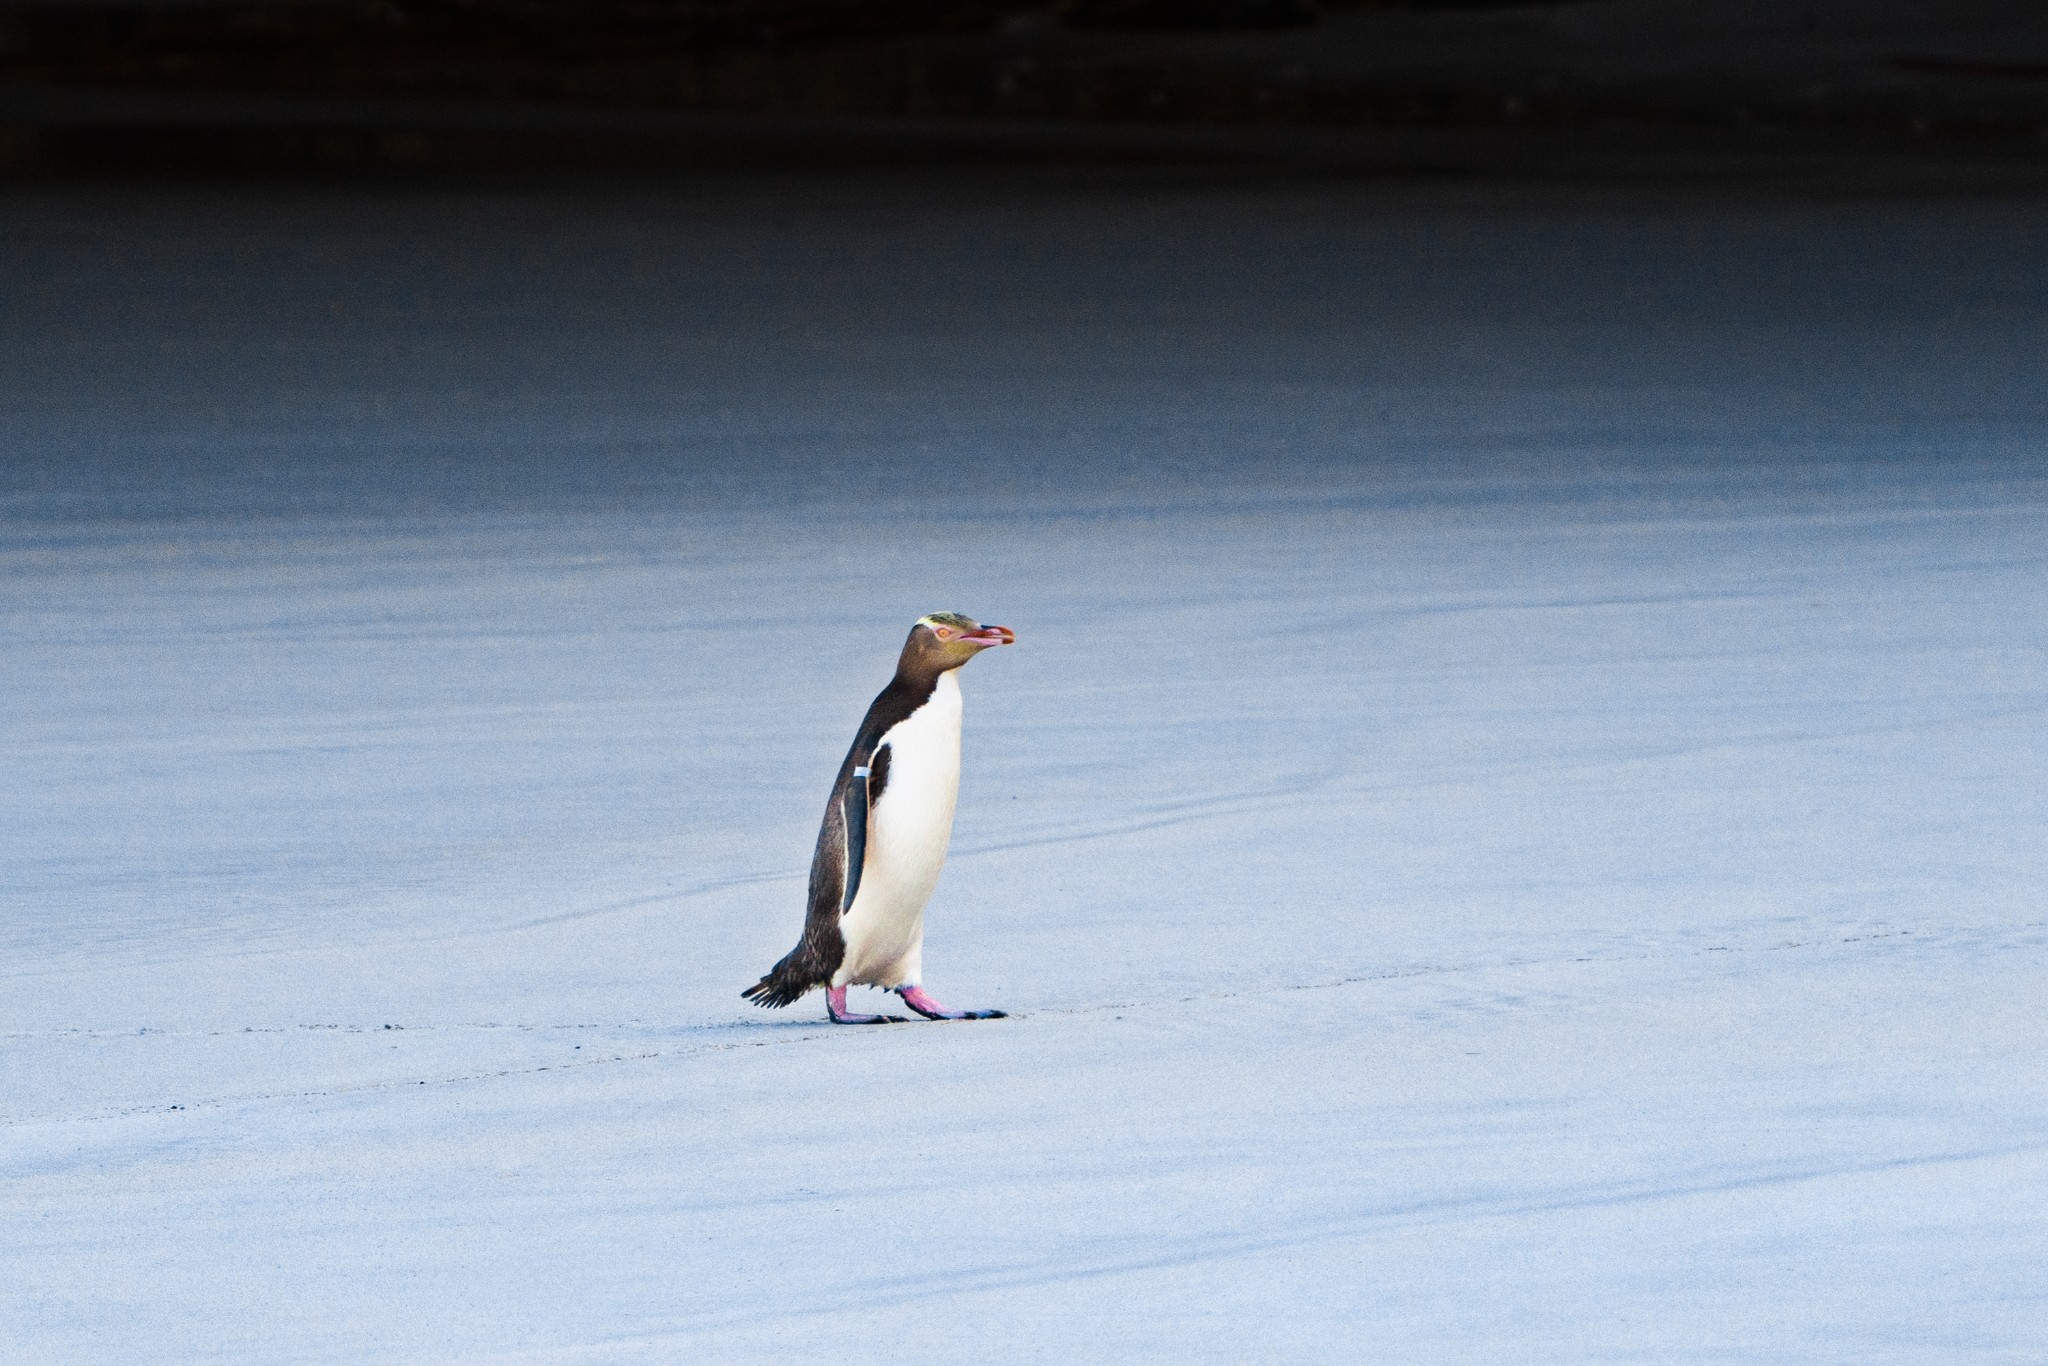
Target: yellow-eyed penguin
x=885, y=833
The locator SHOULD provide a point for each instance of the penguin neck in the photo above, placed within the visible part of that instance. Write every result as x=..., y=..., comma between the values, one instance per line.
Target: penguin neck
x=923, y=682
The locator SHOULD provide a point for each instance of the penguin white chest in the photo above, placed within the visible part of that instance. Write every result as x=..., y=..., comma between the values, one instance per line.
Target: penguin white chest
x=909, y=826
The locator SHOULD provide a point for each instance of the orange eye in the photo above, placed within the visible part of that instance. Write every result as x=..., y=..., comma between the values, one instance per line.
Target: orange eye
x=945, y=633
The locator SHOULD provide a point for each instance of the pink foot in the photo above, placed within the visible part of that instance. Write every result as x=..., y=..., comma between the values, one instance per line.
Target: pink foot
x=835, y=1006
x=924, y=1005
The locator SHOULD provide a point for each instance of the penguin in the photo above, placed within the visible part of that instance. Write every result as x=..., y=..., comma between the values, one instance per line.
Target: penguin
x=884, y=838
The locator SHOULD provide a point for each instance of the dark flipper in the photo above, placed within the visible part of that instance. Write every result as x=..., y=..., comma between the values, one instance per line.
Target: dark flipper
x=856, y=835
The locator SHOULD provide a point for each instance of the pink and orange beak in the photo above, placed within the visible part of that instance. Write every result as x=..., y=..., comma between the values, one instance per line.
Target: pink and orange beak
x=990, y=635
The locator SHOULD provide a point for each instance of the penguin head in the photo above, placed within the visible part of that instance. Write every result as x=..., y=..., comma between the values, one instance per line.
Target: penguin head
x=946, y=640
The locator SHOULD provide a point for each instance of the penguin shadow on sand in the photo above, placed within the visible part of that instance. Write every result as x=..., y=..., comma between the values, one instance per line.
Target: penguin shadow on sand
x=884, y=837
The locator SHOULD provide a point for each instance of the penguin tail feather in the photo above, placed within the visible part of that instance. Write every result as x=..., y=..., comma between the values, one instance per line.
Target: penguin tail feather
x=810, y=964
x=785, y=982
